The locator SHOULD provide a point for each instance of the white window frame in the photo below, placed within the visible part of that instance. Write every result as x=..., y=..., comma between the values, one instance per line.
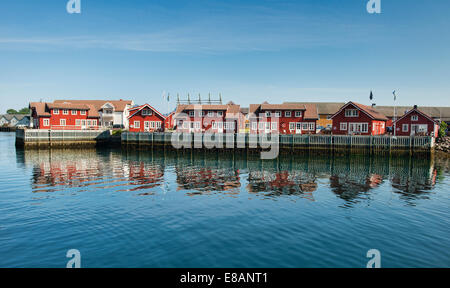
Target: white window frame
x=220, y=113
x=292, y=126
x=312, y=126
x=82, y=112
x=191, y=113
x=343, y=126
x=94, y=122
x=277, y=113
x=274, y=126
x=298, y=126
x=288, y=114
x=268, y=113
x=146, y=112
x=405, y=127
x=152, y=125
x=210, y=114
x=137, y=124
x=254, y=126
x=298, y=113
x=56, y=111
x=351, y=113
x=65, y=112
x=415, y=118
x=62, y=122
x=46, y=122
x=73, y=112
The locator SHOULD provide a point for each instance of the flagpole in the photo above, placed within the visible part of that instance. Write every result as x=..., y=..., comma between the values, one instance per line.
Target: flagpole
x=395, y=114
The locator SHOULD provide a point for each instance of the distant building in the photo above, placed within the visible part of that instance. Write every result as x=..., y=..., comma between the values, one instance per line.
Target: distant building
x=416, y=122
x=80, y=114
x=145, y=118
x=296, y=118
x=357, y=119
x=14, y=120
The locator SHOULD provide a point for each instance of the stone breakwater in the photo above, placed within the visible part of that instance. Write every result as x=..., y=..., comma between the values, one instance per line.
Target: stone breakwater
x=443, y=144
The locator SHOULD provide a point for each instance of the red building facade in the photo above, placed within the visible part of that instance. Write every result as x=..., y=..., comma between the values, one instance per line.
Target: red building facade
x=64, y=116
x=415, y=122
x=145, y=118
x=357, y=119
x=283, y=118
x=197, y=118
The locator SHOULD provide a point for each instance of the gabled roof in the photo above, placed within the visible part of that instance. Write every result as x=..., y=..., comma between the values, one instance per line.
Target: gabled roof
x=368, y=110
x=68, y=106
x=418, y=111
x=41, y=109
x=119, y=105
x=136, y=110
x=19, y=117
x=310, y=109
x=232, y=110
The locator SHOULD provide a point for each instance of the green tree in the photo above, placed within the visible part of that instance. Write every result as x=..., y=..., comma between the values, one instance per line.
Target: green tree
x=24, y=111
x=442, y=129
x=11, y=111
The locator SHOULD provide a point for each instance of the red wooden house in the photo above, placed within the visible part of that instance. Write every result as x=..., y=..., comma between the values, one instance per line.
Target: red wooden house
x=64, y=116
x=415, y=122
x=215, y=118
x=145, y=118
x=358, y=119
x=294, y=118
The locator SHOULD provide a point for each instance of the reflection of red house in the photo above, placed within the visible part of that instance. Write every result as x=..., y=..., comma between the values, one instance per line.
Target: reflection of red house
x=292, y=118
x=358, y=119
x=415, y=122
x=145, y=118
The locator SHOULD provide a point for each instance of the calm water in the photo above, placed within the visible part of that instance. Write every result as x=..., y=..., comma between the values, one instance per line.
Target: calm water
x=143, y=209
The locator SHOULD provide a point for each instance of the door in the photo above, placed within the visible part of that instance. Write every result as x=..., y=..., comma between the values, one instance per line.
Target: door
x=298, y=127
x=146, y=126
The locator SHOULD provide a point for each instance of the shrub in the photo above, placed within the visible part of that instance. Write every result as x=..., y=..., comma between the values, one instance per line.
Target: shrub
x=442, y=129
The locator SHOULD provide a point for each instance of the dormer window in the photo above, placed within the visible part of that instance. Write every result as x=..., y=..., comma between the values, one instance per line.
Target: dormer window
x=298, y=113
x=146, y=112
x=56, y=111
x=108, y=111
x=287, y=114
x=83, y=112
x=74, y=112
x=65, y=112
x=351, y=113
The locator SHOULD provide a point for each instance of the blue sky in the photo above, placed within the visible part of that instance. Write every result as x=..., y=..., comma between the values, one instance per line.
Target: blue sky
x=249, y=51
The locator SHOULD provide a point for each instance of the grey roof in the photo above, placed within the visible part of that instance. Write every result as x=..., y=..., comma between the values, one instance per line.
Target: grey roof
x=19, y=117
x=330, y=108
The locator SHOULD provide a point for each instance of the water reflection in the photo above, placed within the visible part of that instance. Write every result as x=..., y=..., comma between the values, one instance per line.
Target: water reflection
x=352, y=179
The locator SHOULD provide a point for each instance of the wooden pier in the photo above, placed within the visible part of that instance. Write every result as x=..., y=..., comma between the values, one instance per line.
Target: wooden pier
x=30, y=138
x=287, y=143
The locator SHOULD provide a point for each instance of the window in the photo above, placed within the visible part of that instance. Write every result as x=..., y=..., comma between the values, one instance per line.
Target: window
x=292, y=126
x=83, y=112
x=146, y=125
x=343, y=126
x=62, y=122
x=152, y=125
x=65, y=112
x=364, y=127
x=414, y=118
x=267, y=125
x=305, y=126
x=56, y=111
x=83, y=123
x=254, y=125
x=351, y=113
x=74, y=112
x=405, y=127
x=274, y=126
x=261, y=125
x=298, y=113
x=268, y=114
x=220, y=113
x=146, y=112
x=210, y=114
x=94, y=122
x=89, y=122
x=158, y=124
x=202, y=114
x=46, y=122
x=287, y=114
x=197, y=125
x=137, y=124
x=191, y=113
x=214, y=125
x=278, y=114
x=108, y=111
x=299, y=126
x=329, y=117
x=220, y=125
x=312, y=126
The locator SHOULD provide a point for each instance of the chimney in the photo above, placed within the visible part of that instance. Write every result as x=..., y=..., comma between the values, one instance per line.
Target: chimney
x=373, y=105
x=415, y=106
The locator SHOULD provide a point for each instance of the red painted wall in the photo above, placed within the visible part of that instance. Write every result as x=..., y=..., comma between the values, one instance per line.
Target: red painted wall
x=206, y=122
x=432, y=127
x=55, y=123
x=375, y=127
x=283, y=124
x=142, y=118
